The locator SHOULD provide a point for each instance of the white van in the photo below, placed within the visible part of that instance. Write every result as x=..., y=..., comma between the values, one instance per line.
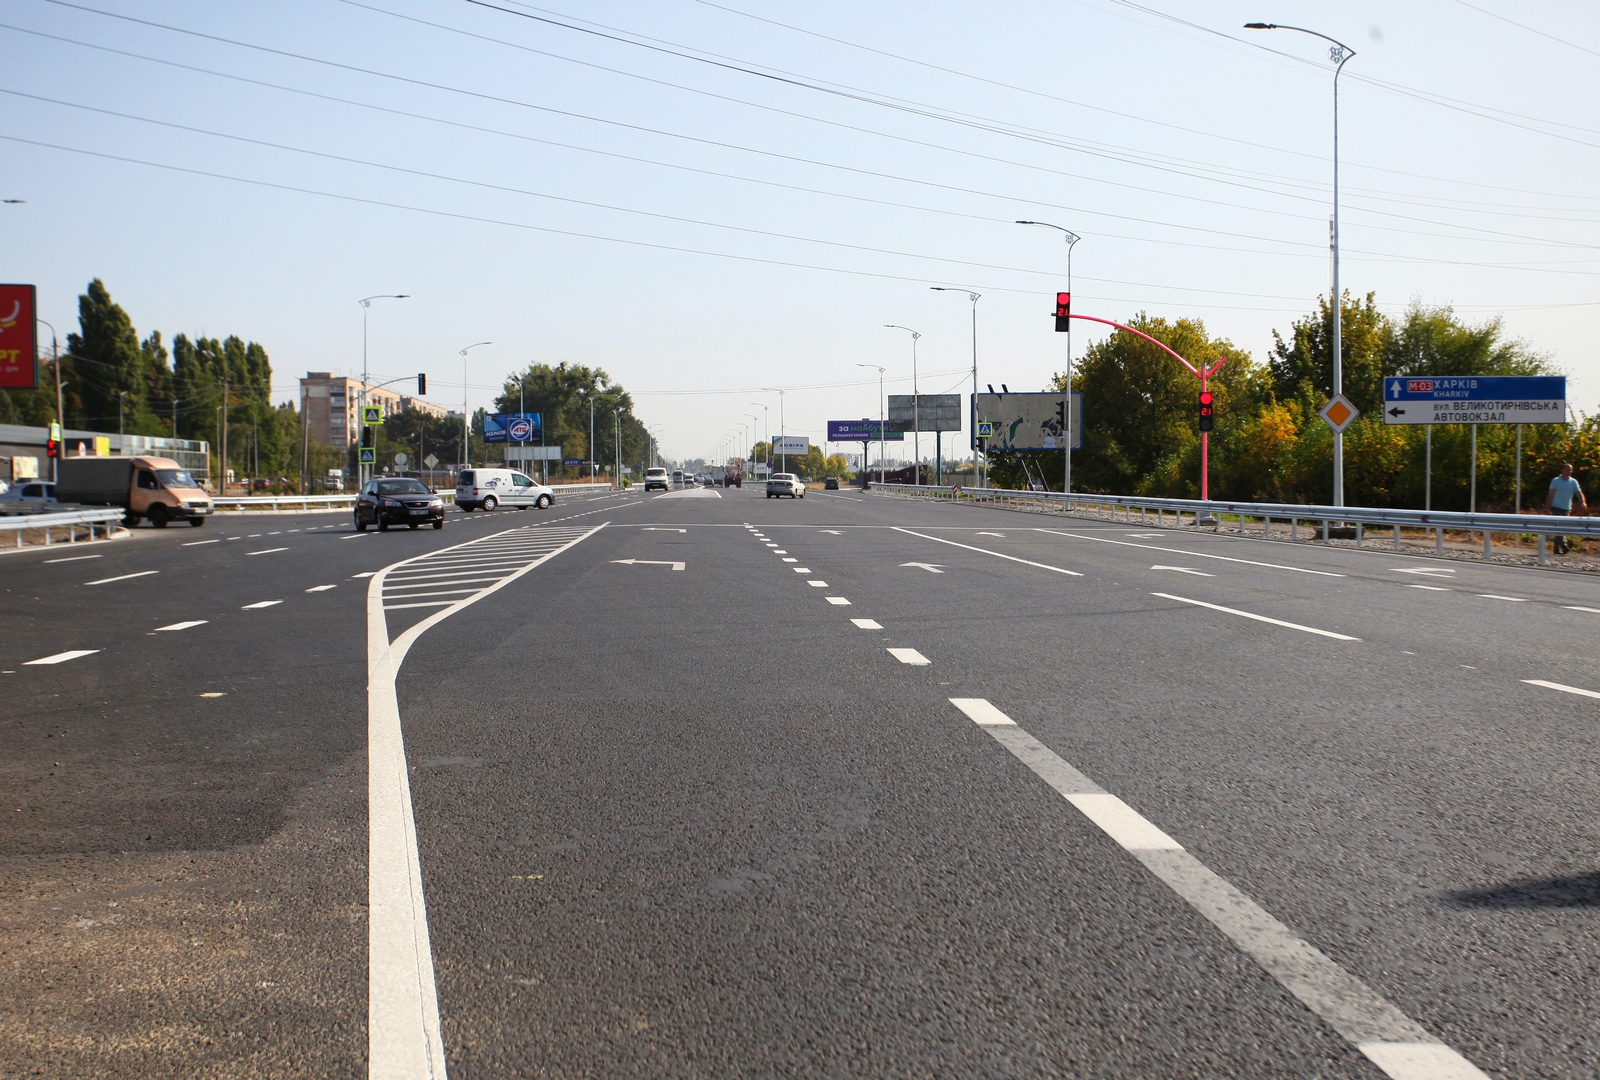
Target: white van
x=489, y=488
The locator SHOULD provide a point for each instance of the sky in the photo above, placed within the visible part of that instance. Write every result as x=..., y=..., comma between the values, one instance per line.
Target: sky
x=714, y=201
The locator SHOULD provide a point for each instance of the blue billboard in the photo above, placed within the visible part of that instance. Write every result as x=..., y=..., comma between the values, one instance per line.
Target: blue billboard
x=1475, y=399
x=511, y=427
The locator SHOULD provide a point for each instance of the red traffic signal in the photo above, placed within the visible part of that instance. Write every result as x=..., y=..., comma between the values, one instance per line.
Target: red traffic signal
x=1063, y=312
x=1208, y=410
x=52, y=448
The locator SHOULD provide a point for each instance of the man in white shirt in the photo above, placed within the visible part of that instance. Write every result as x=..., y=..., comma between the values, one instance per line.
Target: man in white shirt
x=1564, y=499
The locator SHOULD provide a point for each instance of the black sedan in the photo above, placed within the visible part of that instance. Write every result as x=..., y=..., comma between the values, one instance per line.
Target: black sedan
x=398, y=502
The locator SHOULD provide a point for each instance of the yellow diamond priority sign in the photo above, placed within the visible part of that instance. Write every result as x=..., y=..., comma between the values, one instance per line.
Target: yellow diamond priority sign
x=1338, y=413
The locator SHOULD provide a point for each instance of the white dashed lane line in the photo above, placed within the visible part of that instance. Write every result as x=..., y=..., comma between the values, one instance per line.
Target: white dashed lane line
x=1257, y=618
x=1563, y=687
x=818, y=584
x=1509, y=599
x=260, y=604
x=986, y=551
x=197, y=543
x=321, y=588
x=61, y=657
x=181, y=625
x=122, y=577
x=1390, y=1039
x=909, y=656
x=867, y=624
x=267, y=551
x=72, y=558
x=839, y=600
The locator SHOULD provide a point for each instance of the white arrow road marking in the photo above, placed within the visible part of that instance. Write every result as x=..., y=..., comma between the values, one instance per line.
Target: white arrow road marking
x=1183, y=570
x=61, y=657
x=1531, y=682
x=1257, y=618
x=986, y=551
x=1189, y=554
x=932, y=568
x=648, y=562
x=124, y=577
x=181, y=625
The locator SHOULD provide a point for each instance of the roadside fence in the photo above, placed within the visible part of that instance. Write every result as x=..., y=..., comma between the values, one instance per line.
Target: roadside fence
x=99, y=521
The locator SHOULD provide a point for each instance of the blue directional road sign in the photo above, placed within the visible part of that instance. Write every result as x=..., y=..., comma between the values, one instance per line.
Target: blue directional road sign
x=861, y=431
x=1475, y=399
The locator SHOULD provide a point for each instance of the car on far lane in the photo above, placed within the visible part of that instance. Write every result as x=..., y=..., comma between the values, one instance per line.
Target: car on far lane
x=657, y=478
x=29, y=491
x=398, y=502
x=785, y=483
x=831, y=484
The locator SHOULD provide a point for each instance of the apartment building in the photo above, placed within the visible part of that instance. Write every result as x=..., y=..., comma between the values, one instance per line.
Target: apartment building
x=330, y=405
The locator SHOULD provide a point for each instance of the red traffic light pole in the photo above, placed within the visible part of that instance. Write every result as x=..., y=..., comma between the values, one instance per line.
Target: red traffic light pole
x=1202, y=373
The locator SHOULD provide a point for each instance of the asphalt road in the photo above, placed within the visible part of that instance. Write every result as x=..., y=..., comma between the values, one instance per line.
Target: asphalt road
x=767, y=814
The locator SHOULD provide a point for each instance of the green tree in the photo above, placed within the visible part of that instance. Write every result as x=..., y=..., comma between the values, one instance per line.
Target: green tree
x=1302, y=365
x=107, y=361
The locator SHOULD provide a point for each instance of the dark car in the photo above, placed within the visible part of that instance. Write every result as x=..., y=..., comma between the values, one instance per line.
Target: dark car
x=398, y=502
x=831, y=484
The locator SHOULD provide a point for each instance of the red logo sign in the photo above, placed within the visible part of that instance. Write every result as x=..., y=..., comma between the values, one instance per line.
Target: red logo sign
x=1419, y=386
x=19, y=369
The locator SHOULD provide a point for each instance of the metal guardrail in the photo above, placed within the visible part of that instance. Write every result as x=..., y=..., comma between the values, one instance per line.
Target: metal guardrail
x=1540, y=526
x=278, y=503
x=98, y=517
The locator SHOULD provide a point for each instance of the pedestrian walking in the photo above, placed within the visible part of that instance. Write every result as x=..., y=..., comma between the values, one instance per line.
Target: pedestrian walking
x=1565, y=498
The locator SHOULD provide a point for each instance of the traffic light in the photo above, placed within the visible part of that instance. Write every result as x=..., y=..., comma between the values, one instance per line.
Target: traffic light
x=1061, y=414
x=52, y=446
x=422, y=385
x=367, y=436
x=1063, y=312
x=1208, y=409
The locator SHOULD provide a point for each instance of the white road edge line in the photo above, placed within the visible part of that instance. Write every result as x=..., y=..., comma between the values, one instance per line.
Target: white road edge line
x=404, y=1040
x=986, y=551
x=124, y=577
x=1580, y=691
x=1257, y=618
x=1576, y=607
x=1191, y=554
x=61, y=657
x=1390, y=1039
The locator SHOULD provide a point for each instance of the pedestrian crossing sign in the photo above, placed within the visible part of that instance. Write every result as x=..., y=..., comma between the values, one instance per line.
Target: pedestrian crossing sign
x=372, y=414
x=369, y=455
x=985, y=429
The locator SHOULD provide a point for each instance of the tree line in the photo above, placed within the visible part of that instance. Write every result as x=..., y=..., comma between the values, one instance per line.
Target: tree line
x=1140, y=410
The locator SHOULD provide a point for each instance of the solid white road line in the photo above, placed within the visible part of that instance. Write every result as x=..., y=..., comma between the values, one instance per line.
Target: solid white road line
x=986, y=551
x=1562, y=687
x=1190, y=554
x=1390, y=1039
x=73, y=558
x=404, y=1040
x=841, y=601
x=124, y=577
x=321, y=588
x=61, y=657
x=1257, y=618
x=197, y=543
x=268, y=551
x=181, y=625
x=260, y=604
x=868, y=624
x=909, y=656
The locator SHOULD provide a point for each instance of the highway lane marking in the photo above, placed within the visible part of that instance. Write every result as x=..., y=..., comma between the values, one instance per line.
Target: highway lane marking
x=73, y=558
x=1511, y=599
x=649, y=562
x=1257, y=618
x=1430, y=570
x=369, y=573
x=831, y=532
x=253, y=536
x=1000, y=535
x=123, y=577
x=1430, y=588
x=181, y=625
x=352, y=536
x=61, y=657
x=867, y=624
x=216, y=693
x=932, y=568
x=839, y=600
x=197, y=543
x=801, y=569
x=1191, y=554
x=1576, y=607
x=777, y=550
x=321, y=588
x=818, y=584
x=267, y=551
x=790, y=558
x=1390, y=1039
x=278, y=533
x=909, y=656
x=260, y=604
x=986, y=551
x=1183, y=570
x=404, y=1038
x=1562, y=687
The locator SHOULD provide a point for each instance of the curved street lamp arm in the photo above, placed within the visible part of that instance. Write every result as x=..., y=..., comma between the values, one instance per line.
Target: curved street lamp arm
x=1347, y=50
x=1199, y=373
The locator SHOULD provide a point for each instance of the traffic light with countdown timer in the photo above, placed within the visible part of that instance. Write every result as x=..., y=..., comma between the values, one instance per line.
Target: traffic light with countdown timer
x=1063, y=312
x=1208, y=409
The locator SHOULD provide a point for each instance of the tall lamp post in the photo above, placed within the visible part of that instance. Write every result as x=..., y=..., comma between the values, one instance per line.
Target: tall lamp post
x=466, y=415
x=783, y=431
x=1340, y=54
x=766, y=422
x=61, y=420
x=880, y=370
x=366, y=304
x=1072, y=238
x=974, y=297
x=916, y=415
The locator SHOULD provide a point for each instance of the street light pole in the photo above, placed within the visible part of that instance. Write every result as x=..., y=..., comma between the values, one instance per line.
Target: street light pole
x=783, y=431
x=366, y=303
x=766, y=420
x=1340, y=54
x=1072, y=238
x=61, y=420
x=916, y=415
x=976, y=478
x=880, y=370
x=466, y=416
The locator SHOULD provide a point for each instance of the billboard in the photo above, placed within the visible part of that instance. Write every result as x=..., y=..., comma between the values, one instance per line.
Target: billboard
x=925, y=412
x=791, y=446
x=861, y=431
x=1475, y=399
x=511, y=427
x=19, y=354
x=1028, y=421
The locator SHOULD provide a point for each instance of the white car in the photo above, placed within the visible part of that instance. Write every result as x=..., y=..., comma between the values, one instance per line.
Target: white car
x=489, y=488
x=29, y=491
x=785, y=483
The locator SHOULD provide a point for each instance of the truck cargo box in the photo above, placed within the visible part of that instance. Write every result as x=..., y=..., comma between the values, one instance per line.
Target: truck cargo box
x=103, y=481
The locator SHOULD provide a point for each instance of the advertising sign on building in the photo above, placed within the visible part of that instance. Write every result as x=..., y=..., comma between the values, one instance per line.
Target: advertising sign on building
x=1028, y=421
x=19, y=363
x=511, y=427
x=1475, y=399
